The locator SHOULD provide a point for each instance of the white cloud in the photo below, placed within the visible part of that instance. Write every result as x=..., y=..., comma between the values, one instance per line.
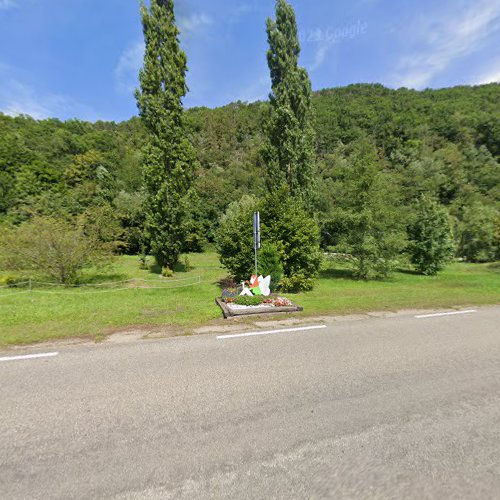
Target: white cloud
x=446, y=40
x=23, y=101
x=194, y=23
x=235, y=13
x=128, y=66
x=8, y=4
x=320, y=54
x=18, y=98
x=490, y=76
x=131, y=59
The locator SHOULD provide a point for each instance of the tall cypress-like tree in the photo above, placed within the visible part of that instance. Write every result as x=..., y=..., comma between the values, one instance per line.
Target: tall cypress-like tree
x=289, y=152
x=430, y=237
x=169, y=158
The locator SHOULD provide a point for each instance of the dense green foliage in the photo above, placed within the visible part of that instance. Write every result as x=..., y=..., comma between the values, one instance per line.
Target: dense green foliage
x=285, y=225
x=67, y=169
x=289, y=150
x=52, y=249
x=430, y=237
x=479, y=237
x=364, y=220
x=244, y=300
x=442, y=143
x=234, y=238
x=288, y=156
x=288, y=159
x=169, y=158
x=270, y=264
x=289, y=227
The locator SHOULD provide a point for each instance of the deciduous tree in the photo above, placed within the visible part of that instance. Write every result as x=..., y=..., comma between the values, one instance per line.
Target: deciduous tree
x=56, y=249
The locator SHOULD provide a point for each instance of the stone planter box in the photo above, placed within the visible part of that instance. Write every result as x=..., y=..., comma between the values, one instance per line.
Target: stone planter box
x=234, y=311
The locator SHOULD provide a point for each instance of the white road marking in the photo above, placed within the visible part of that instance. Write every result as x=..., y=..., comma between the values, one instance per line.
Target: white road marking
x=436, y=315
x=270, y=332
x=30, y=356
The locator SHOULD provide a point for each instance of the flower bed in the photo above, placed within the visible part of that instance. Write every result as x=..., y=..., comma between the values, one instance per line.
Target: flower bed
x=233, y=304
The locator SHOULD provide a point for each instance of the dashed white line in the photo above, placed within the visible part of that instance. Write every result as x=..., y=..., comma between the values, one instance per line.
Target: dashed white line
x=436, y=315
x=270, y=332
x=29, y=356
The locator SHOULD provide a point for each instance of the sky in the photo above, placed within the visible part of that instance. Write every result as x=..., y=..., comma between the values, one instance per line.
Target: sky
x=80, y=58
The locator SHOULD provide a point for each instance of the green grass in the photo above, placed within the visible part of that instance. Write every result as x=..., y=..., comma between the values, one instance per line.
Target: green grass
x=40, y=315
x=43, y=314
x=458, y=285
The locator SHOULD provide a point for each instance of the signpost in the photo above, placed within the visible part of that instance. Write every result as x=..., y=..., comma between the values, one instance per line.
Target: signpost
x=256, y=239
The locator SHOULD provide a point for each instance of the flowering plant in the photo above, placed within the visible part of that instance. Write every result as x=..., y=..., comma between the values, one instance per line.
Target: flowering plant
x=282, y=302
x=230, y=294
x=278, y=301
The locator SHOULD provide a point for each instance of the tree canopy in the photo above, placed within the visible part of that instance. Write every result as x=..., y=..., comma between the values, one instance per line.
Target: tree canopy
x=441, y=143
x=289, y=150
x=169, y=158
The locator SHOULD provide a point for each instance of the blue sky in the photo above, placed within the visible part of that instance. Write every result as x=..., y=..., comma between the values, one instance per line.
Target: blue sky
x=80, y=58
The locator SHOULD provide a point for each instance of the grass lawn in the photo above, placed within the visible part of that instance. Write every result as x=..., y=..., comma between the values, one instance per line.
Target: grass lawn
x=53, y=313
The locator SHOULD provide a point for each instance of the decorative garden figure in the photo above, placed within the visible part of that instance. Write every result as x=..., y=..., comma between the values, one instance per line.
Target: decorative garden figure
x=246, y=291
x=258, y=286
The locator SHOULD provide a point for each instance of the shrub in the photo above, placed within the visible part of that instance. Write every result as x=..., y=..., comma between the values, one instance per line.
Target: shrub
x=478, y=241
x=166, y=272
x=130, y=209
x=187, y=264
x=270, y=264
x=290, y=238
x=430, y=237
x=245, y=300
x=297, y=283
x=230, y=294
x=102, y=225
x=228, y=282
x=497, y=237
x=11, y=281
x=53, y=248
x=294, y=232
x=234, y=238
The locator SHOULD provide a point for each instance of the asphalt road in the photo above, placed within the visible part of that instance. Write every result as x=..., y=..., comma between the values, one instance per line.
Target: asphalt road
x=393, y=407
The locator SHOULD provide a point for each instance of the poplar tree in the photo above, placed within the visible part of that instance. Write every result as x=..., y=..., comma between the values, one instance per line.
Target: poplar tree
x=289, y=152
x=169, y=158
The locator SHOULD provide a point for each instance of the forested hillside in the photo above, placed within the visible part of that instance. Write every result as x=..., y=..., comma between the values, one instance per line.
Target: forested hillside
x=444, y=143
